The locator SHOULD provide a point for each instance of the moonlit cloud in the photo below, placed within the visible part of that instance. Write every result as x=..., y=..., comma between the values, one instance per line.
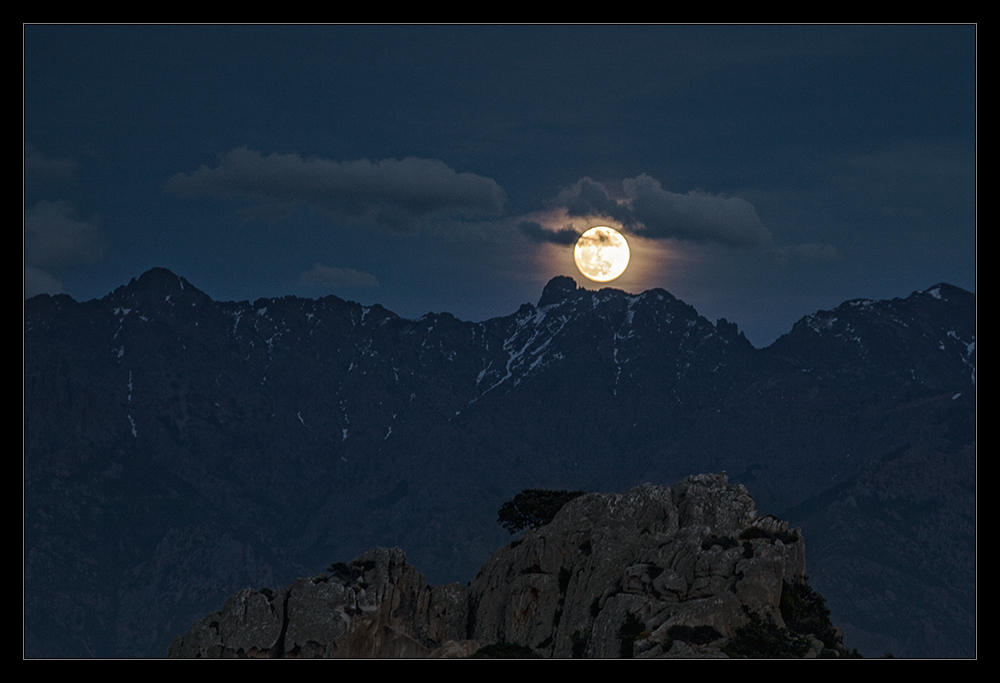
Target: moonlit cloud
x=394, y=193
x=653, y=212
x=537, y=233
x=587, y=197
x=328, y=277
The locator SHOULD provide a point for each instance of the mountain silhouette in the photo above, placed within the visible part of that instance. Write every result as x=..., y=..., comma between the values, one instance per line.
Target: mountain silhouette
x=178, y=449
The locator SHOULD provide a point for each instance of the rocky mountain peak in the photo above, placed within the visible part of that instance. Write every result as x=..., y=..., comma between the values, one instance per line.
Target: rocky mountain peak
x=161, y=281
x=155, y=288
x=558, y=288
x=926, y=339
x=945, y=292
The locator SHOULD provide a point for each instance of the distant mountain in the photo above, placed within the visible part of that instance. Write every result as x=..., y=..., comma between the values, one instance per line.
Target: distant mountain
x=179, y=449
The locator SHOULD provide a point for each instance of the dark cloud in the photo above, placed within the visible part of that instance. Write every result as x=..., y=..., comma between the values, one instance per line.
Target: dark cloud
x=391, y=192
x=37, y=281
x=54, y=237
x=651, y=211
x=40, y=168
x=587, y=197
x=328, y=277
x=537, y=233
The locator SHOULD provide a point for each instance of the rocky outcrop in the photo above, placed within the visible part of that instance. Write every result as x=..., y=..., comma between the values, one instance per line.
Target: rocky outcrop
x=376, y=606
x=612, y=575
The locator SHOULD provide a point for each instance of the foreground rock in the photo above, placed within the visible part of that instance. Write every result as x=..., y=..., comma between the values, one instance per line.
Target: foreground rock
x=687, y=571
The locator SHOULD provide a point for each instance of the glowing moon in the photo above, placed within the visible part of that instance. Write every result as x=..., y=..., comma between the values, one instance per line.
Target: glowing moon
x=601, y=254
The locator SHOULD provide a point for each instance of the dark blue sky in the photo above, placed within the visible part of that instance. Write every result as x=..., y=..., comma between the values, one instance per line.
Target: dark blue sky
x=760, y=173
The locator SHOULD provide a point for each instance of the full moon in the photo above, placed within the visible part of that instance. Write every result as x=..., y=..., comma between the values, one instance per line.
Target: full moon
x=601, y=254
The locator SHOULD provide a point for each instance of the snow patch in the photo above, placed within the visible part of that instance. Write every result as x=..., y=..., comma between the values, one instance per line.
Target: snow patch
x=818, y=324
x=135, y=433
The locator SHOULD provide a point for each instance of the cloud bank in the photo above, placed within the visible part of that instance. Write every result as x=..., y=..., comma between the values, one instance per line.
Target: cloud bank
x=38, y=167
x=393, y=193
x=54, y=238
x=650, y=211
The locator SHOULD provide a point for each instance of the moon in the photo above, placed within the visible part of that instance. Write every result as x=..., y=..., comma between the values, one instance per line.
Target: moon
x=601, y=254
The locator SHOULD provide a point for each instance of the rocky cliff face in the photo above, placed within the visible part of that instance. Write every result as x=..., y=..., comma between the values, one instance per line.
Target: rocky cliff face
x=613, y=575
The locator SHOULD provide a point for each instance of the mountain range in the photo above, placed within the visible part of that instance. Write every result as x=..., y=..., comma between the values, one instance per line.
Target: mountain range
x=178, y=449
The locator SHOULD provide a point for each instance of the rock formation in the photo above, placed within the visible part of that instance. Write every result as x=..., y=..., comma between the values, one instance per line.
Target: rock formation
x=653, y=572
x=376, y=606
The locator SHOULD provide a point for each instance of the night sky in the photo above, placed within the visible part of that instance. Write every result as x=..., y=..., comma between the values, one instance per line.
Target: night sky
x=759, y=173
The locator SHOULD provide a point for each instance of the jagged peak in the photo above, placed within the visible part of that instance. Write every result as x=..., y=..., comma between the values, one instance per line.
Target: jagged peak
x=156, y=283
x=51, y=300
x=162, y=278
x=559, y=288
x=943, y=291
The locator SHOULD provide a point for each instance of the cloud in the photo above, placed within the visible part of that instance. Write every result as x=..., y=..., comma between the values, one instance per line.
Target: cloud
x=653, y=212
x=537, y=233
x=587, y=197
x=54, y=237
x=38, y=167
x=327, y=277
x=39, y=282
x=394, y=193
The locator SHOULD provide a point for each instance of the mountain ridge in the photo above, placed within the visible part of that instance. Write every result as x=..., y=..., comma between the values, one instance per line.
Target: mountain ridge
x=172, y=421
